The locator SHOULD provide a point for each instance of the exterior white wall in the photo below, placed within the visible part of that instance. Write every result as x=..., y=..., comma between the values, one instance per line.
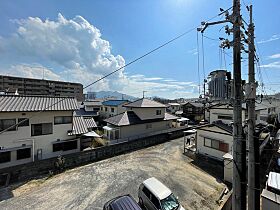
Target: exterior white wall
x=117, y=110
x=148, y=113
x=13, y=139
x=228, y=112
x=90, y=108
x=221, y=136
x=173, y=108
x=140, y=129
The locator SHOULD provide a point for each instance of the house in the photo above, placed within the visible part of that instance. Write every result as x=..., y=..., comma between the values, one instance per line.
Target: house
x=143, y=117
x=224, y=113
x=214, y=140
x=90, y=109
x=193, y=110
x=271, y=106
x=84, y=127
x=43, y=131
x=173, y=107
x=112, y=107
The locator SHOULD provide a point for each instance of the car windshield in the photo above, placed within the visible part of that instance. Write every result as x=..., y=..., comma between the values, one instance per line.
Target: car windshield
x=169, y=203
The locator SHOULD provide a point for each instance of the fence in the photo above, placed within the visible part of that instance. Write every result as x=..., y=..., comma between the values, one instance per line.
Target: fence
x=29, y=170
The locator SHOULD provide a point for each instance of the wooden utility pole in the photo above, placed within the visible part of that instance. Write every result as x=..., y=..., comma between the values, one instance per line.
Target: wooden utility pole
x=239, y=144
x=253, y=156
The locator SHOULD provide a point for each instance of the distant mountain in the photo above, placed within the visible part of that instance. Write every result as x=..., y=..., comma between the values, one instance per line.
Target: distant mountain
x=114, y=94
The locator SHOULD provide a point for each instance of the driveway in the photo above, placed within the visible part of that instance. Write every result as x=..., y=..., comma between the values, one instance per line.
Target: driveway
x=90, y=186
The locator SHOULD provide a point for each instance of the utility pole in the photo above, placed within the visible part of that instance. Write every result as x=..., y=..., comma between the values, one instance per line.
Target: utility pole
x=253, y=156
x=239, y=144
x=144, y=93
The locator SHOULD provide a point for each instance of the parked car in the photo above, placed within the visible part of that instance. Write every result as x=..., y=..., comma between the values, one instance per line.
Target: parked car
x=125, y=202
x=153, y=195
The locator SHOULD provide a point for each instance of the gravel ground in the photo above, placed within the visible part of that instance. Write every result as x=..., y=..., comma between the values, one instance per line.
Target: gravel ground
x=90, y=186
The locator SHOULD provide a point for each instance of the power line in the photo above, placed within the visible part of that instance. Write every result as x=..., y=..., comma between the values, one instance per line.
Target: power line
x=122, y=67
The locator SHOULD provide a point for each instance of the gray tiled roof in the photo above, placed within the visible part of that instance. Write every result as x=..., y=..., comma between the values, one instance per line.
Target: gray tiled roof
x=145, y=103
x=19, y=103
x=81, y=125
x=130, y=118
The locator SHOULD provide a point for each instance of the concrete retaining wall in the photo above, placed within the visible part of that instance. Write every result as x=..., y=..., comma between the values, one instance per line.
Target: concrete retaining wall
x=29, y=170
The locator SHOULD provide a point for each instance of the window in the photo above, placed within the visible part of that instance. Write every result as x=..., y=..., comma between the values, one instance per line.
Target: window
x=225, y=117
x=62, y=120
x=112, y=109
x=7, y=123
x=155, y=201
x=106, y=109
x=41, y=129
x=146, y=192
x=215, y=144
x=65, y=146
x=23, y=122
x=148, y=126
x=23, y=153
x=158, y=112
x=5, y=157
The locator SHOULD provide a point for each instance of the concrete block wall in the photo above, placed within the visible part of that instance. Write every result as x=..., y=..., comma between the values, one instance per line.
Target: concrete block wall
x=29, y=170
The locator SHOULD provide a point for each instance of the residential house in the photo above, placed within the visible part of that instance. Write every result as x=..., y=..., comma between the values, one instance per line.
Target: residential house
x=143, y=117
x=173, y=107
x=43, y=131
x=271, y=106
x=214, y=140
x=193, y=111
x=224, y=113
x=112, y=107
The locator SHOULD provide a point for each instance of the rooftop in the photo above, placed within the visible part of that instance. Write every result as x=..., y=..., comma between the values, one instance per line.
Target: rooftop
x=21, y=103
x=130, y=118
x=81, y=125
x=145, y=103
x=114, y=102
x=157, y=188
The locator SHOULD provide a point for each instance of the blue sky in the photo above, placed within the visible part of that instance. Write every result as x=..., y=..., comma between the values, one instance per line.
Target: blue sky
x=83, y=40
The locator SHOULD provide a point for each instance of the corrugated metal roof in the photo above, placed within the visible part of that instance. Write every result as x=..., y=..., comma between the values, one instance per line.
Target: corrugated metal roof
x=114, y=102
x=19, y=103
x=145, y=103
x=81, y=125
x=90, y=123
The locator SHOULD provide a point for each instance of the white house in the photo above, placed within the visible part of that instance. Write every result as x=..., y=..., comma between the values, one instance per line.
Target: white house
x=214, y=140
x=142, y=117
x=112, y=107
x=43, y=133
x=224, y=113
x=173, y=107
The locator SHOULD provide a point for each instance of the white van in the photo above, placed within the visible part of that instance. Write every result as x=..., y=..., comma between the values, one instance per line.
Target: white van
x=153, y=195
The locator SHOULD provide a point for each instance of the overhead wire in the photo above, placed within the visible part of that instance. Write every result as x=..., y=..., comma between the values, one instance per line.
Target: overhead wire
x=118, y=69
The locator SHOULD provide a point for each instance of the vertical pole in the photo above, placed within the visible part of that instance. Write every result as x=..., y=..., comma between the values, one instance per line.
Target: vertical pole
x=239, y=184
x=253, y=156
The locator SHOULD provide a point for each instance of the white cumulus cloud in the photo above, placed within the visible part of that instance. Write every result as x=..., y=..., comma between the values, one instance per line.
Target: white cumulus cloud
x=74, y=50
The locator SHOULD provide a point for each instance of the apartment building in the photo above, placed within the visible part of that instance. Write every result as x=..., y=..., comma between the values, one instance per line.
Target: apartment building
x=46, y=131
x=29, y=86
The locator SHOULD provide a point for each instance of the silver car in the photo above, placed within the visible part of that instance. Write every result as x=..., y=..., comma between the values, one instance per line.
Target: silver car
x=153, y=195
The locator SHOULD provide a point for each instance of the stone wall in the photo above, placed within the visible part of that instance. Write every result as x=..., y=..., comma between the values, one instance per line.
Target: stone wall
x=29, y=170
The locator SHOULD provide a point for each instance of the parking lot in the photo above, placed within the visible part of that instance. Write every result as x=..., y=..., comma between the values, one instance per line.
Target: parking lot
x=90, y=186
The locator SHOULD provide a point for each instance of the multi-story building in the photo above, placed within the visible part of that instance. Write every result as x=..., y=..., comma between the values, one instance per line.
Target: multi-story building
x=29, y=86
x=46, y=129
